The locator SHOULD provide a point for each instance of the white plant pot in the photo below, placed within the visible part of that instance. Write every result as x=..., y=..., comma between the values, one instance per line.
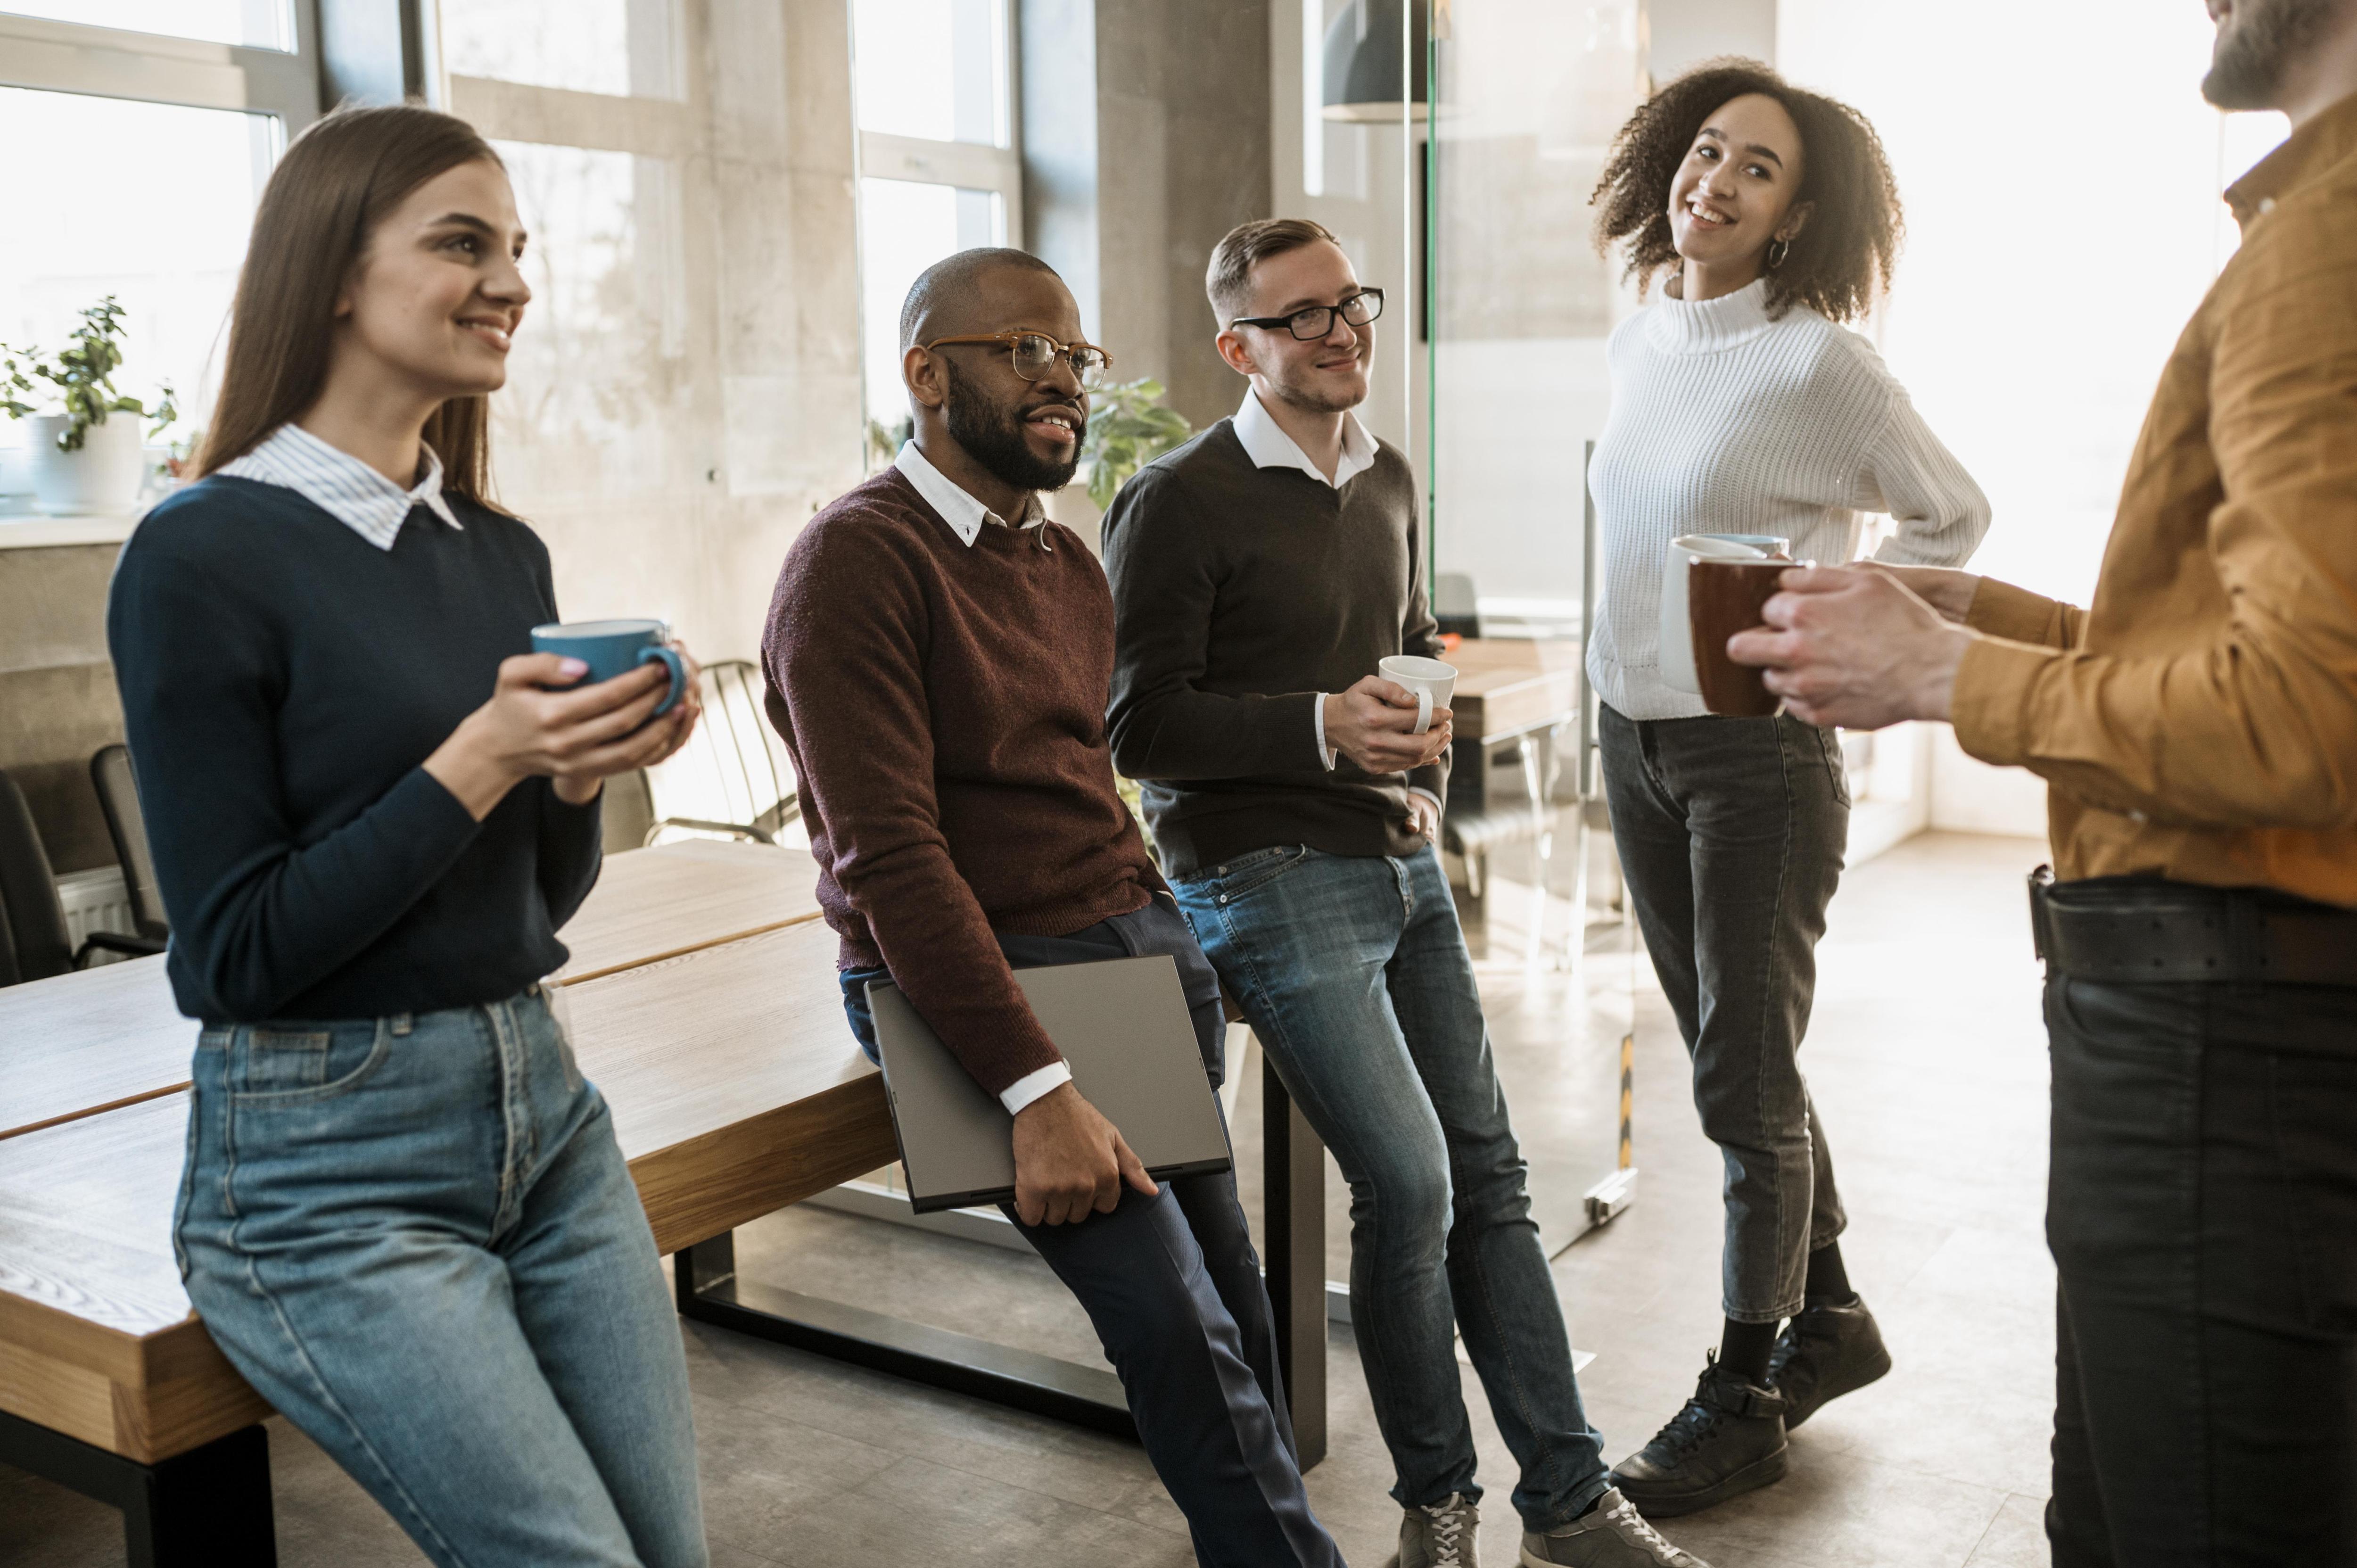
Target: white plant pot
x=101, y=478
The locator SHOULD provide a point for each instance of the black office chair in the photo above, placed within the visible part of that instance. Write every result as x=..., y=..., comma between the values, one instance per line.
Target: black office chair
x=736, y=766
x=35, y=919
x=118, y=798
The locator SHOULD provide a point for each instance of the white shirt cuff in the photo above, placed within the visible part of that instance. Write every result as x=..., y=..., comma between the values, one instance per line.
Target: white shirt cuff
x=1032, y=1085
x=1324, y=751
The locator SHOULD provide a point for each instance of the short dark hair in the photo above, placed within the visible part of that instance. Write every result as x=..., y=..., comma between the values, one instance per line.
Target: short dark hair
x=1228, y=280
x=949, y=283
x=1840, y=260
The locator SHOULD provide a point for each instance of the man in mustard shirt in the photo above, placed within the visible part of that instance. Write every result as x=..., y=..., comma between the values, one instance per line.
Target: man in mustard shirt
x=2197, y=728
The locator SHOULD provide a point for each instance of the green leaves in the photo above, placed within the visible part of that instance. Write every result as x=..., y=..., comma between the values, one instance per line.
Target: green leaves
x=1128, y=429
x=81, y=379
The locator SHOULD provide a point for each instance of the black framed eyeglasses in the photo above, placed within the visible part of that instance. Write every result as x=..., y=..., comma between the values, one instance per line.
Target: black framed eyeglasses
x=1036, y=353
x=1318, y=320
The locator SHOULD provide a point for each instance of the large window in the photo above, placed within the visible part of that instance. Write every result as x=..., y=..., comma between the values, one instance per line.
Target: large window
x=141, y=134
x=599, y=405
x=939, y=171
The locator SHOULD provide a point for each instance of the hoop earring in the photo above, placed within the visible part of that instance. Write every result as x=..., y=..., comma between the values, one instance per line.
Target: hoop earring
x=1777, y=251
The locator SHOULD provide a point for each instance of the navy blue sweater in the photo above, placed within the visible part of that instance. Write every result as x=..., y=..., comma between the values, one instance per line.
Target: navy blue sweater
x=283, y=681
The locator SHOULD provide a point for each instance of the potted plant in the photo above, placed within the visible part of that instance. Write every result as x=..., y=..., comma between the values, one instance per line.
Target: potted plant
x=83, y=461
x=1128, y=429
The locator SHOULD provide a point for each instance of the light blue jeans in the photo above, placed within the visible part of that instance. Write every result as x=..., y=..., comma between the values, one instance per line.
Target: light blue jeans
x=1353, y=973
x=416, y=1238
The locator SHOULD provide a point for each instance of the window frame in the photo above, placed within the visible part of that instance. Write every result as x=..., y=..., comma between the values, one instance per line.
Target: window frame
x=46, y=56
x=922, y=160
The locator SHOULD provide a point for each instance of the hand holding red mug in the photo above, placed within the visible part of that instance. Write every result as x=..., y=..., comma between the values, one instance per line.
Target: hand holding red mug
x=1854, y=647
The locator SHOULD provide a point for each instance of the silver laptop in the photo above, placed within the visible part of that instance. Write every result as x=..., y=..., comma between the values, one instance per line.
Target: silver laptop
x=1122, y=1024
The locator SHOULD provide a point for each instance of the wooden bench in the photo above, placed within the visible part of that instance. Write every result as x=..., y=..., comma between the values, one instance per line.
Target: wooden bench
x=735, y=1090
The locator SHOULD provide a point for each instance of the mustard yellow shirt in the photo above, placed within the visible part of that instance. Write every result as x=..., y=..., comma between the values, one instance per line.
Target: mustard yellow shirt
x=2199, y=721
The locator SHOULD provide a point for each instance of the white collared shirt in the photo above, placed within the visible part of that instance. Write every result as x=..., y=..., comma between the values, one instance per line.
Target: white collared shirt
x=965, y=515
x=342, y=485
x=1266, y=444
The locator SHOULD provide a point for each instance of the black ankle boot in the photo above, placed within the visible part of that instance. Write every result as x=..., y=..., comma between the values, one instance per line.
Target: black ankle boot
x=1728, y=1440
x=1828, y=1351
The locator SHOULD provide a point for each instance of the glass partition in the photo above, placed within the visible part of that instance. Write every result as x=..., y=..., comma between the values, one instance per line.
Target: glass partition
x=1506, y=108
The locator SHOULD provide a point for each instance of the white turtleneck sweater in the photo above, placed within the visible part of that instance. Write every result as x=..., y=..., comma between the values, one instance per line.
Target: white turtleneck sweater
x=1724, y=421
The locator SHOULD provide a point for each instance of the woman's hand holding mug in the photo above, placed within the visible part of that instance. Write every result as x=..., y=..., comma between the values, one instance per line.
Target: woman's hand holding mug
x=540, y=722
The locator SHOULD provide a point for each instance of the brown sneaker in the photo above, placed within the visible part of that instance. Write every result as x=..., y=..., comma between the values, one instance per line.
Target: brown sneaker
x=1611, y=1535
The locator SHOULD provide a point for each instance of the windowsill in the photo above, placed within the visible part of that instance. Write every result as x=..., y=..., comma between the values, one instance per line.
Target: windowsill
x=32, y=530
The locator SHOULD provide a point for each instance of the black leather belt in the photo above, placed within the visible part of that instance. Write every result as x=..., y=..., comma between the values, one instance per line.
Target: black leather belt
x=2123, y=931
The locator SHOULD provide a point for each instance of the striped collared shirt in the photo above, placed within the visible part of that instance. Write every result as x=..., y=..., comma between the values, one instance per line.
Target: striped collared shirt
x=342, y=485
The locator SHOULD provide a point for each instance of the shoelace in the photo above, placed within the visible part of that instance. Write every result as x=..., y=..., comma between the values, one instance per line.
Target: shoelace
x=1447, y=1523
x=1685, y=1430
x=1624, y=1514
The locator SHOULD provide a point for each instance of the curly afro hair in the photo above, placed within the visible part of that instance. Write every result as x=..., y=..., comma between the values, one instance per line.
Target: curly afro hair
x=1844, y=256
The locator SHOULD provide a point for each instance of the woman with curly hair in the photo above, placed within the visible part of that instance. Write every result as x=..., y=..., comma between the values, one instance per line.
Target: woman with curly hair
x=1741, y=405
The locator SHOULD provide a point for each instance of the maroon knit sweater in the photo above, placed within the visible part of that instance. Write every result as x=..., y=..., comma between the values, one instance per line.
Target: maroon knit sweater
x=944, y=705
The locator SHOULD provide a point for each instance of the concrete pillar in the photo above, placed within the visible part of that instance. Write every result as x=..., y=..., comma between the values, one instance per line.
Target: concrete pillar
x=1145, y=137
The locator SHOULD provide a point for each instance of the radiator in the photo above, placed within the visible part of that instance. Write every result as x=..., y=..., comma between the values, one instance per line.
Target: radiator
x=95, y=901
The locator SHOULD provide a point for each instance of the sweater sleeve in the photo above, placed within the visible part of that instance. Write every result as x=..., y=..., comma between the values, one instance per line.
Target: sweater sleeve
x=571, y=845
x=846, y=651
x=257, y=916
x=1163, y=725
x=1941, y=513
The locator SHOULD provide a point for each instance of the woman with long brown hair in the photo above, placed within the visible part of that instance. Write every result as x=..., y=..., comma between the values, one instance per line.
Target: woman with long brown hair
x=1742, y=405
x=403, y=1216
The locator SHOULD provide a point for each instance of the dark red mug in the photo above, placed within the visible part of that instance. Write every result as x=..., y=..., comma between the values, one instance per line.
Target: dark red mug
x=1724, y=597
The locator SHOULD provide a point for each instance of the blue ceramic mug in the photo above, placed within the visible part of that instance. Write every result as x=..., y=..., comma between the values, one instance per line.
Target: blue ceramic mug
x=612, y=647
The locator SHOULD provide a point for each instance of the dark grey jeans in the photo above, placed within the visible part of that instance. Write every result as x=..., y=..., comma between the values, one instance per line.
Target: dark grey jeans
x=2203, y=1209
x=1731, y=834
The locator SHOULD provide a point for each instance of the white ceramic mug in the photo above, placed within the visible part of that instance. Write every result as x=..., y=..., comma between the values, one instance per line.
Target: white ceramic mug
x=1432, y=682
x=1677, y=636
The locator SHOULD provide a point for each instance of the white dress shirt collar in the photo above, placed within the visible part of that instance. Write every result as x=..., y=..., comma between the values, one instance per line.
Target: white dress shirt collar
x=1267, y=445
x=342, y=485
x=965, y=515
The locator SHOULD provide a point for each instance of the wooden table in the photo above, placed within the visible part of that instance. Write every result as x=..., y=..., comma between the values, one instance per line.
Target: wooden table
x=80, y=1044
x=1511, y=686
x=735, y=1090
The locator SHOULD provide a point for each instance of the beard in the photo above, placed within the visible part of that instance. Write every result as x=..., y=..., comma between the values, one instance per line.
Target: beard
x=2246, y=70
x=993, y=435
x=1302, y=394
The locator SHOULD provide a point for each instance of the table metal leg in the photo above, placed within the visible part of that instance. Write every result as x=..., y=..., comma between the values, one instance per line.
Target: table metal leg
x=209, y=1508
x=711, y=1291
x=1294, y=1227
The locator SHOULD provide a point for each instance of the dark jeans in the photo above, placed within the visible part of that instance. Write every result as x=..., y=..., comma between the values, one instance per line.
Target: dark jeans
x=1354, y=973
x=2202, y=1212
x=1731, y=834
x=1173, y=1287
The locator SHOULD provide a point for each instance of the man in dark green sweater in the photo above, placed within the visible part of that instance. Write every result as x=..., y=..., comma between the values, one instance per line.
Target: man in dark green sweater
x=1259, y=574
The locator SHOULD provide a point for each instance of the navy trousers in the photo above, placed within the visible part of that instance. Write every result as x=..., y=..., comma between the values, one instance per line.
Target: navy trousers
x=1174, y=1289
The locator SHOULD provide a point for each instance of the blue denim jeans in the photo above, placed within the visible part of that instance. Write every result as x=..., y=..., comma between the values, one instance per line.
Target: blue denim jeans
x=416, y=1238
x=1353, y=973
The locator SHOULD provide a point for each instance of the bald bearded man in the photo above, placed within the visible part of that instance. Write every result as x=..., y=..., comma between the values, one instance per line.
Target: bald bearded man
x=939, y=656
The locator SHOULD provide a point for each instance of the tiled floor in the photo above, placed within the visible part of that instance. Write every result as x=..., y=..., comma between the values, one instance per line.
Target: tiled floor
x=1927, y=1062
